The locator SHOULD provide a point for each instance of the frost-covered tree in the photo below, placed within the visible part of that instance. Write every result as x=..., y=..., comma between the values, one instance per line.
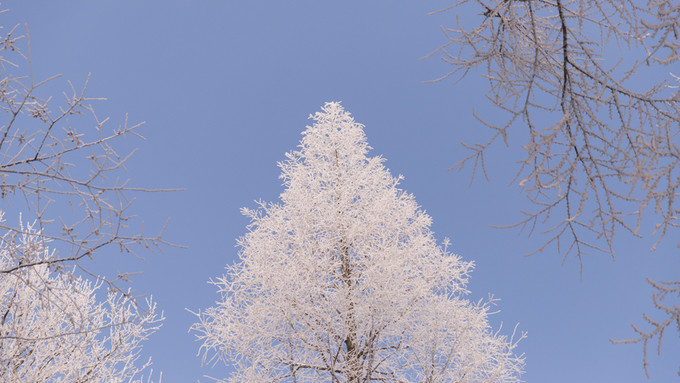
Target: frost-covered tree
x=343, y=281
x=55, y=328
x=61, y=169
x=60, y=165
x=591, y=87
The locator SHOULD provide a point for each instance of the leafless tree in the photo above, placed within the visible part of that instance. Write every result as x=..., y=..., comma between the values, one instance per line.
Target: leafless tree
x=602, y=145
x=60, y=172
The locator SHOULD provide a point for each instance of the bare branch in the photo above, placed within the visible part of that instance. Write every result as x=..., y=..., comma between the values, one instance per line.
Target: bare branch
x=602, y=148
x=670, y=311
x=62, y=173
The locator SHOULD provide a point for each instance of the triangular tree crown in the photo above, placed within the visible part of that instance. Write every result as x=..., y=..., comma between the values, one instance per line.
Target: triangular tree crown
x=343, y=281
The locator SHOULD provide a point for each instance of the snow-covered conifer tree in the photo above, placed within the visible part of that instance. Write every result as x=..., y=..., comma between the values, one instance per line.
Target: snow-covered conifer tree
x=343, y=281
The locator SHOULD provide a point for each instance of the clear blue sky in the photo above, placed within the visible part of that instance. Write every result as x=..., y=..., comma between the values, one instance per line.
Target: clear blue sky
x=225, y=88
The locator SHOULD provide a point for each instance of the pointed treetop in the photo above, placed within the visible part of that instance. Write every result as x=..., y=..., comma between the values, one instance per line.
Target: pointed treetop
x=333, y=134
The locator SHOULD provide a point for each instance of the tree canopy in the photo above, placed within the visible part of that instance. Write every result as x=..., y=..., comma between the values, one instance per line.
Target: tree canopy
x=343, y=281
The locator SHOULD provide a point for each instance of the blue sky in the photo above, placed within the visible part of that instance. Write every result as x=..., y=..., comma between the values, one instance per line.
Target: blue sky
x=225, y=88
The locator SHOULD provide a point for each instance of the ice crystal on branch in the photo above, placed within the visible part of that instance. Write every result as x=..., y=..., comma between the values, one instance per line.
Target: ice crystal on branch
x=594, y=86
x=343, y=281
x=62, y=168
x=53, y=327
x=602, y=146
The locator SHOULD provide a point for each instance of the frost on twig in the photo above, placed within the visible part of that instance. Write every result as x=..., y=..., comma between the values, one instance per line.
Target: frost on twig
x=59, y=166
x=61, y=171
x=665, y=291
x=59, y=328
x=602, y=147
x=590, y=84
